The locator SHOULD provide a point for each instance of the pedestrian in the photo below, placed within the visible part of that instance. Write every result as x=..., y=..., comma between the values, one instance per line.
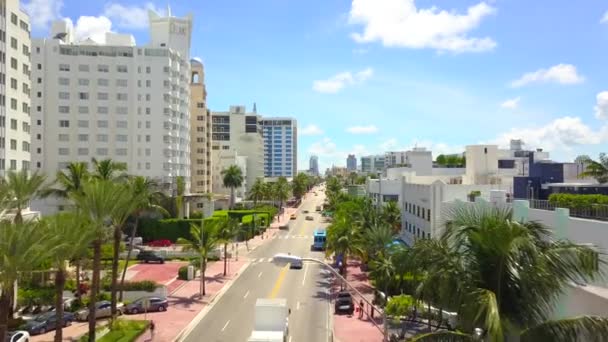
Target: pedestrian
x=152, y=326
x=362, y=306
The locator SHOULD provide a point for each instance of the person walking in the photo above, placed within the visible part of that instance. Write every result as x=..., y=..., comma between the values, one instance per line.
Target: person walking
x=152, y=326
x=361, y=308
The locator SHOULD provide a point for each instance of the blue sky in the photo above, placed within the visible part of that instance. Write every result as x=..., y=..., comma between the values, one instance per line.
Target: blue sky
x=365, y=76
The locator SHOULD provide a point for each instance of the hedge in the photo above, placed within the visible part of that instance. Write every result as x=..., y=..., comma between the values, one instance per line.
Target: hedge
x=576, y=201
x=182, y=273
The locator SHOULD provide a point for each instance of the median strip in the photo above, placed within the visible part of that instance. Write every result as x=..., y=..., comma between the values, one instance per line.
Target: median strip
x=279, y=282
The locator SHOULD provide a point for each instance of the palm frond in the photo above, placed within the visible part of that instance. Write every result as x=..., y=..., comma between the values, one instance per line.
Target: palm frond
x=582, y=328
x=443, y=336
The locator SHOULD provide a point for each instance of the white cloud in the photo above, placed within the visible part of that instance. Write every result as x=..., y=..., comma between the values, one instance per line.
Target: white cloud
x=400, y=23
x=94, y=28
x=561, y=74
x=337, y=82
x=130, y=17
x=601, y=108
x=310, y=130
x=43, y=12
x=561, y=134
x=369, y=129
x=511, y=103
x=604, y=18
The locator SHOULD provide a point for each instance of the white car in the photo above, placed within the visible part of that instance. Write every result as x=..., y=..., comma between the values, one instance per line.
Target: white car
x=18, y=336
x=102, y=309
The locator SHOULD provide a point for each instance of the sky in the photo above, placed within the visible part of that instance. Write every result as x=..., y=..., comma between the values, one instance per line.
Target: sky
x=368, y=76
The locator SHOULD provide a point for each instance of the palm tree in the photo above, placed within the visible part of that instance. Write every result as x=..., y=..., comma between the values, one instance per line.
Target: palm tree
x=268, y=192
x=596, y=169
x=76, y=237
x=20, y=188
x=180, y=189
x=227, y=230
x=108, y=169
x=392, y=216
x=257, y=191
x=23, y=247
x=343, y=239
x=281, y=191
x=233, y=178
x=98, y=201
x=376, y=240
x=507, y=276
x=202, y=240
x=146, y=191
x=300, y=185
x=383, y=270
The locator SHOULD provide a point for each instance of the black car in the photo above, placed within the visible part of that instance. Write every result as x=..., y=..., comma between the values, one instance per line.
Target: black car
x=344, y=303
x=46, y=322
x=155, y=304
x=150, y=256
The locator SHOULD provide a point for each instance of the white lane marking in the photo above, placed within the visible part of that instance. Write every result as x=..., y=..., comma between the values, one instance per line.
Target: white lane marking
x=225, y=325
x=289, y=338
x=269, y=259
x=305, y=273
x=246, y=294
x=259, y=275
x=298, y=306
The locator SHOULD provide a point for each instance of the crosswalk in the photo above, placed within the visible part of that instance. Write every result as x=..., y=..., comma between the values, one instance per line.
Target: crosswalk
x=260, y=260
x=293, y=237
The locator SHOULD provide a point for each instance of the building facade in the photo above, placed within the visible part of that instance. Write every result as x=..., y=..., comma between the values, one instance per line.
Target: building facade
x=15, y=88
x=280, y=146
x=372, y=164
x=351, y=163
x=237, y=131
x=395, y=159
x=313, y=165
x=114, y=100
x=200, y=132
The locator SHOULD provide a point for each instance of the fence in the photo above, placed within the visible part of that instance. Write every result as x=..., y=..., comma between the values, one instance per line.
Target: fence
x=593, y=212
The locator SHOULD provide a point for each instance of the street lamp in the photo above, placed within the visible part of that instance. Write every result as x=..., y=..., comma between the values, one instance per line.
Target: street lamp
x=285, y=259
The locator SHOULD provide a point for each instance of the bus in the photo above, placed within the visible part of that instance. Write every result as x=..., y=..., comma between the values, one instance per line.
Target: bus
x=320, y=237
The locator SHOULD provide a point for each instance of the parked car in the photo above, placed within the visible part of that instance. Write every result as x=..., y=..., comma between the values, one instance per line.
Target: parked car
x=284, y=226
x=344, y=303
x=137, y=241
x=46, y=322
x=102, y=309
x=18, y=336
x=305, y=211
x=156, y=304
x=150, y=256
x=309, y=218
x=160, y=243
x=318, y=208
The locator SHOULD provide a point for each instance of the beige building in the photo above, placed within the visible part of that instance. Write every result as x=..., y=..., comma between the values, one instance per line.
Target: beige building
x=200, y=134
x=15, y=87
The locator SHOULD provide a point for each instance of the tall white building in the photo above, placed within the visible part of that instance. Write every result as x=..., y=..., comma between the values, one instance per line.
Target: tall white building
x=14, y=87
x=280, y=146
x=395, y=158
x=115, y=100
x=372, y=164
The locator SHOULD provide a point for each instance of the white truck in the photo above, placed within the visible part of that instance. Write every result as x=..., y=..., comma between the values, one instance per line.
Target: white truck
x=271, y=321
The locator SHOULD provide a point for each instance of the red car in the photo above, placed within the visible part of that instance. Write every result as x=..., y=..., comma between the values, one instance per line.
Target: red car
x=160, y=243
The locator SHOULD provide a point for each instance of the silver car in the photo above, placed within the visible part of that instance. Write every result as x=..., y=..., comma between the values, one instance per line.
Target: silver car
x=102, y=309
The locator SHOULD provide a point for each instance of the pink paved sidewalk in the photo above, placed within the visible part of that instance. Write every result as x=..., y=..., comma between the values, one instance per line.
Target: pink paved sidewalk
x=352, y=328
x=161, y=274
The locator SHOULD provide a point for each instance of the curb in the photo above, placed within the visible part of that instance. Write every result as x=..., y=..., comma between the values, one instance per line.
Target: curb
x=199, y=317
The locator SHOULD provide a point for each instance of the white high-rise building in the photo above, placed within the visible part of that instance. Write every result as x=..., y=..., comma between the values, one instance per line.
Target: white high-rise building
x=280, y=146
x=114, y=100
x=14, y=87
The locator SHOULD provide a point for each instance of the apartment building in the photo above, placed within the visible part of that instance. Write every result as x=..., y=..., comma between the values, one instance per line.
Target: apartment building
x=372, y=164
x=313, y=165
x=351, y=163
x=15, y=88
x=280, y=146
x=236, y=133
x=114, y=100
x=395, y=158
x=200, y=133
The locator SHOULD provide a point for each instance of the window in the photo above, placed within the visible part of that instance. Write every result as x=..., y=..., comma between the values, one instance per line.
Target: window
x=148, y=124
x=83, y=110
x=148, y=97
x=14, y=104
x=121, y=68
x=14, y=18
x=25, y=49
x=83, y=82
x=102, y=123
x=102, y=151
x=121, y=97
x=83, y=137
x=121, y=124
x=147, y=138
x=83, y=123
x=14, y=43
x=64, y=123
x=147, y=166
x=102, y=82
x=13, y=165
x=64, y=81
x=64, y=109
x=148, y=152
x=122, y=110
x=13, y=144
x=64, y=95
x=83, y=68
x=102, y=96
x=83, y=96
x=64, y=67
x=148, y=110
x=103, y=68
x=14, y=83
x=102, y=110
x=121, y=83
x=83, y=151
x=14, y=63
x=25, y=146
x=102, y=138
x=148, y=70
x=121, y=151
x=121, y=137
x=148, y=83
x=63, y=137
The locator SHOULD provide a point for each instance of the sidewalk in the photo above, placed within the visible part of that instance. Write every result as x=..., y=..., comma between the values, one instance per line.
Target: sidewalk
x=352, y=328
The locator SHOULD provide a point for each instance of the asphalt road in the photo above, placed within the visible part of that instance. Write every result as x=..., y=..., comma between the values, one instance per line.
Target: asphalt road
x=306, y=290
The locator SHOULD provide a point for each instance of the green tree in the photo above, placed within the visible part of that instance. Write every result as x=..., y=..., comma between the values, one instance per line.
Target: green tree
x=343, y=239
x=98, y=201
x=281, y=191
x=441, y=160
x=23, y=247
x=76, y=236
x=300, y=185
x=107, y=169
x=392, y=216
x=269, y=192
x=228, y=228
x=596, y=169
x=233, y=178
x=376, y=240
x=19, y=189
x=507, y=276
x=257, y=191
x=203, y=240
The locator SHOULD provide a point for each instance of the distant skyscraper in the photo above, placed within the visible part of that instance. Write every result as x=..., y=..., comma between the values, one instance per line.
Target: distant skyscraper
x=314, y=165
x=351, y=163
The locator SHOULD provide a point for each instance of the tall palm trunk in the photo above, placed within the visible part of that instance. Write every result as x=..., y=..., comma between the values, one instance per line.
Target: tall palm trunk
x=94, y=288
x=59, y=286
x=78, y=295
x=4, y=311
x=131, y=246
x=232, y=198
x=116, y=252
x=203, y=269
x=225, y=257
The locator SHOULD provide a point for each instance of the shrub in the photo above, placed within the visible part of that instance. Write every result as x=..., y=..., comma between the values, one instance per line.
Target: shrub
x=182, y=273
x=41, y=296
x=144, y=285
x=399, y=305
x=576, y=201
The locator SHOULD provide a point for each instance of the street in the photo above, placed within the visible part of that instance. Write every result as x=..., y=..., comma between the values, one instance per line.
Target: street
x=306, y=290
